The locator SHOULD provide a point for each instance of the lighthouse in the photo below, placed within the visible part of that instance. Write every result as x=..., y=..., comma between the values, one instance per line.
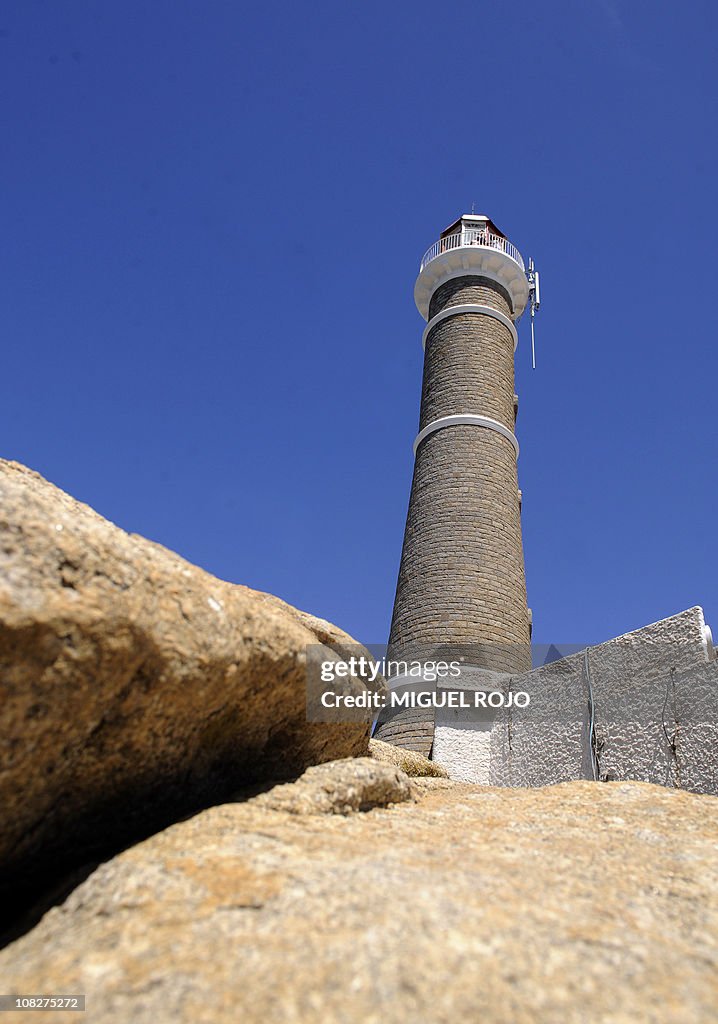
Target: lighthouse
x=462, y=584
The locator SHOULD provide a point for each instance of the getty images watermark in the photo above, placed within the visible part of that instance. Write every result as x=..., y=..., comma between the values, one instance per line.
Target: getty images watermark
x=359, y=685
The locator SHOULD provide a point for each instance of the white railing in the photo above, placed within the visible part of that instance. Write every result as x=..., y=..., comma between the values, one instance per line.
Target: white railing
x=469, y=237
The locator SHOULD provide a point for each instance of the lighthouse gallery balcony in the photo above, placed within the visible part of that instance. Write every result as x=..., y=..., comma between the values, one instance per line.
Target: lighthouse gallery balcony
x=486, y=239
x=473, y=249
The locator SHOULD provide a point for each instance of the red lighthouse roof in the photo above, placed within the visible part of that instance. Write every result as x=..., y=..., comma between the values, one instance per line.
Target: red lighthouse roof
x=472, y=220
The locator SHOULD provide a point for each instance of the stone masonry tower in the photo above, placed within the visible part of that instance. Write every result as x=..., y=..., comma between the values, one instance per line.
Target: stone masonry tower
x=461, y=579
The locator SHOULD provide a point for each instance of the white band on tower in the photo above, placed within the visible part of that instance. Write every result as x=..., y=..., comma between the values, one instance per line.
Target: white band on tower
x=471, y=308
x=467, y=418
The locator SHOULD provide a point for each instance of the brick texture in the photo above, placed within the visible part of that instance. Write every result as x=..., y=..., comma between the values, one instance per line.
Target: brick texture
x=461, y=578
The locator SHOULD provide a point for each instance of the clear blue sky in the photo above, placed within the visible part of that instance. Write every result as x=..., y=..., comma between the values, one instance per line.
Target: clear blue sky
x=212, y=218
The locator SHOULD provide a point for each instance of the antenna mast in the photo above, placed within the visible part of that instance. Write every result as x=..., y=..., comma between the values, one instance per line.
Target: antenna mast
x=535, y=298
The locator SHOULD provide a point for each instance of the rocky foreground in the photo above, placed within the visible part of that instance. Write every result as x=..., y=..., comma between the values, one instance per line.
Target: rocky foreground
x=138, y=692
x=356, y=894
x=134, y=687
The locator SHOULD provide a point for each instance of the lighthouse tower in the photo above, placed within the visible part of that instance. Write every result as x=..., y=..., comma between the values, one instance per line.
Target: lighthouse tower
x=461, y=580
